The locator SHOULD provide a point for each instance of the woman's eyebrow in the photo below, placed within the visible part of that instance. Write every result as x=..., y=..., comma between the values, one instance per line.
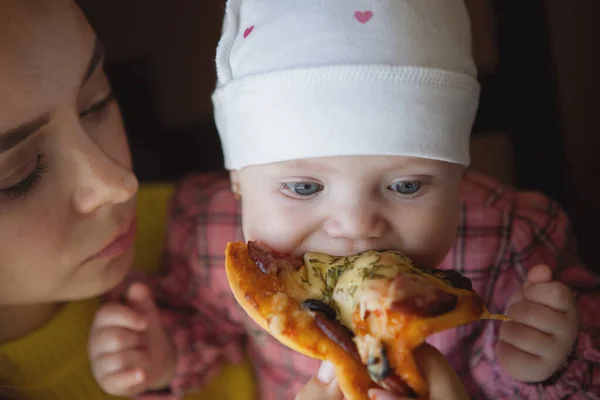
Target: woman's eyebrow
x=12, y=138
x=95, y=61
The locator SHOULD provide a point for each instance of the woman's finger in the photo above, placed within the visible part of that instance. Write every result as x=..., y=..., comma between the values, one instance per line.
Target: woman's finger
x=322, y=386
x=440, y=376
x=380, y=394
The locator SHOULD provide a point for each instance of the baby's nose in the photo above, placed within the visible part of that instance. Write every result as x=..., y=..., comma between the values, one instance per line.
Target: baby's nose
x=356, y=223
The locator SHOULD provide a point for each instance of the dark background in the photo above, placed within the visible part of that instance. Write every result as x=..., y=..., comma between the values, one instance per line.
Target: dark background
x=538, y=126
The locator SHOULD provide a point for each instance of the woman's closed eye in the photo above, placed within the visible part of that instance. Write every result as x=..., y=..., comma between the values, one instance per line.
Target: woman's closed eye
x=301, y=190
x=99, y=107
x=26, y=185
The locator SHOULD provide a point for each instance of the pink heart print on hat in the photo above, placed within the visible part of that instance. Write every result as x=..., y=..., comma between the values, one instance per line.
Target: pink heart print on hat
x=248, y=31
x=363, y=16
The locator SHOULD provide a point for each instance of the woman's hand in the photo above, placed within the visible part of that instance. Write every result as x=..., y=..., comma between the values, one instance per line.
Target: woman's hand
x=443, y=382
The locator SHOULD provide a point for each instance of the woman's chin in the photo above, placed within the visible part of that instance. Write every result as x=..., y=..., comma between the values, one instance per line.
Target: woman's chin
x=105, y=278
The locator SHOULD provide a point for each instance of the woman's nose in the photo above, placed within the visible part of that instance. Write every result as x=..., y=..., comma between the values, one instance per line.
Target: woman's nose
x=101, y=181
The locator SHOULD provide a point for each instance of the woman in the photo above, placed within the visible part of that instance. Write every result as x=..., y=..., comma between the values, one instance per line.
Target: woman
x=67, y=196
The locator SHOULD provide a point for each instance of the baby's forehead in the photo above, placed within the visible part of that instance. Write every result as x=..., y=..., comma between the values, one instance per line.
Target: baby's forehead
x=363, y=164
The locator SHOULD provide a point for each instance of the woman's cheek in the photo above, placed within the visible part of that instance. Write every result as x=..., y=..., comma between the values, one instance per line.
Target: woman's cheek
x=29, y=253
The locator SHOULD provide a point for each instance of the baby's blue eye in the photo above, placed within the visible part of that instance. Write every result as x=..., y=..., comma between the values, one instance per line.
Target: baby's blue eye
x=304, y=188
x=406, y=187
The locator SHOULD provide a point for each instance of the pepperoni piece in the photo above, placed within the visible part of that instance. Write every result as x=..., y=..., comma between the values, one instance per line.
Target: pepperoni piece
x=269, y=262
x=335, y=331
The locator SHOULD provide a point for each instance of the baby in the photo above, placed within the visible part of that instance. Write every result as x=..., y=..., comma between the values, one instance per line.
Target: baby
x=345, y=126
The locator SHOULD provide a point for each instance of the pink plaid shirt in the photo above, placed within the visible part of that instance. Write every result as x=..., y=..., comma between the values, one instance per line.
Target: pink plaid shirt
x=502, y=234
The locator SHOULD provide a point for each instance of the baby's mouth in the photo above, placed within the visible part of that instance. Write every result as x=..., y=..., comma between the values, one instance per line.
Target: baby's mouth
x=353, y=251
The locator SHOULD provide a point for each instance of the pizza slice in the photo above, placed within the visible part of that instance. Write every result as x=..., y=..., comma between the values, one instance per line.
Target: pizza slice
x=364, y=313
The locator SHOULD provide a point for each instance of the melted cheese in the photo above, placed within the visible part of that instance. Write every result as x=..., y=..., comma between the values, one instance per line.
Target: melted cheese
x=367, y=284
x=347, y=282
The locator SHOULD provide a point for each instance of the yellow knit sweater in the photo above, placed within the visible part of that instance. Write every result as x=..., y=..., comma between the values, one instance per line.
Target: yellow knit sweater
x=52, y=363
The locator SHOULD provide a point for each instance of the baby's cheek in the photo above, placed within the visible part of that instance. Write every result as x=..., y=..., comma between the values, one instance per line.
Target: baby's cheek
x=280, y=229
x=428, y=238
x=261, y=225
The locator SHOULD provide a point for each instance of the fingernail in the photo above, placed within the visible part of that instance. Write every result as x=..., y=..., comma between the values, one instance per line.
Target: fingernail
x=130, y=182
x=378, y=394
x=139, y=376
x=142, y=324
x=326, y=372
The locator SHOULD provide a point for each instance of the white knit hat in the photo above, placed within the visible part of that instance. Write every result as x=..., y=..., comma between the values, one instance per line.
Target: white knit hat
x=314, y=78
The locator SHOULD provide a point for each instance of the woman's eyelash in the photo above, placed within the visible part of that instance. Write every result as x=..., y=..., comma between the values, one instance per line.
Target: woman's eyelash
x=25, y=187
x=99, y=106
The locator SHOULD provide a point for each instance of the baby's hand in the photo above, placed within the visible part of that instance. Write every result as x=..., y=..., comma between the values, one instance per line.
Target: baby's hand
x=129, y=350
x=543, y=330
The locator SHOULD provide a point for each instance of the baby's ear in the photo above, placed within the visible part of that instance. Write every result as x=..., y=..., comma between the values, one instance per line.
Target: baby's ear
x=234, y=178
x=235, y=184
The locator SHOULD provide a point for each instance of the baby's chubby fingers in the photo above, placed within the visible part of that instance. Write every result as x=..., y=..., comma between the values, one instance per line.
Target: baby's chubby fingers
x=111, y=363
x=539, y=274
x=525, y=338
x=554, y=295
x=521, y=365
x=119, y=315
x=535, y=316
x=111, y=340
x=128, y=383
x=115, y=328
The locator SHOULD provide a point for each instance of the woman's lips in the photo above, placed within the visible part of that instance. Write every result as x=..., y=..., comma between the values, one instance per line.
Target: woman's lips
x=121, y=243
